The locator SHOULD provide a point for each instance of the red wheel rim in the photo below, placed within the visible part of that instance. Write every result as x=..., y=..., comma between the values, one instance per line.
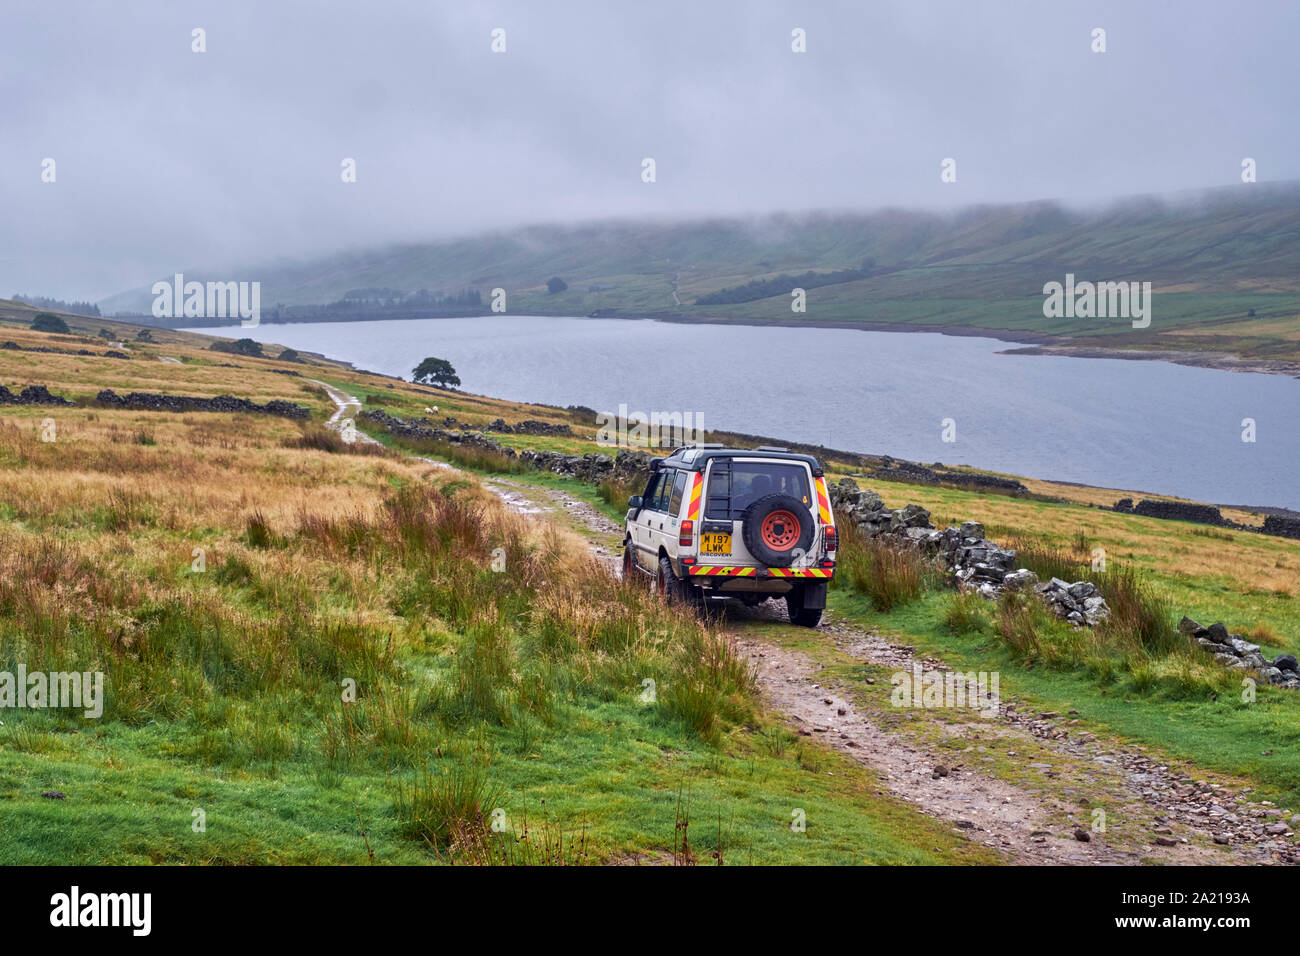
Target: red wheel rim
x=780, y=531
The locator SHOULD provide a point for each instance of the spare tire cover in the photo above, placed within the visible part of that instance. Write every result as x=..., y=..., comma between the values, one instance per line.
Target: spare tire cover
x=775, y=528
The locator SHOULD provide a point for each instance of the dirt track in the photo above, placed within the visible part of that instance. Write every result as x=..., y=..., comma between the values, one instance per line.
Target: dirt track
x=1147, y=803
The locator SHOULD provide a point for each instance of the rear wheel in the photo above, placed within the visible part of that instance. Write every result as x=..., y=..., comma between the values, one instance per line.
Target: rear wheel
x=674, y=590
x=800, y=615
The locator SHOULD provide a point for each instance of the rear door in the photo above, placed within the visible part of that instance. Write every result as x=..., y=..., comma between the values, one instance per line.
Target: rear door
x=659, y=525
x=642, y=543
x=673, y=512
x=732, y=486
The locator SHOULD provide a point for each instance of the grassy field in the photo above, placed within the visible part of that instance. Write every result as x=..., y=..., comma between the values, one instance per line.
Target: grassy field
x=236, y=585
x=479, y=690
x=1178, y=702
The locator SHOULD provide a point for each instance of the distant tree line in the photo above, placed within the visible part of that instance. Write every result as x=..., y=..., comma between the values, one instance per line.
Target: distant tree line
x=357, y=305
x=398, y=300
x=782, y=284
x=41, y=302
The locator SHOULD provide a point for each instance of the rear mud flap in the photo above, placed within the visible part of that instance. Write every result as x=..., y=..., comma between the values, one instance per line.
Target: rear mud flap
x=814, y=595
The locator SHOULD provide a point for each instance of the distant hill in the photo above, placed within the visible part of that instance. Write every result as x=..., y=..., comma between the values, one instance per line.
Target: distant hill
x=1211, y=257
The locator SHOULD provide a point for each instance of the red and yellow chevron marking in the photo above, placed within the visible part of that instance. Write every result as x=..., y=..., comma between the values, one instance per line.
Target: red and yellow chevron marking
x=823, y=503
x=800, y=573
x=693, y=510
x=731, y=571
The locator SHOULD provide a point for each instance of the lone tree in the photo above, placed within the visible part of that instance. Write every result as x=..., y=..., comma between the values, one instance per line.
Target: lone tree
x=555, y=284
x=49, y=322
x=435, y=371
x=144, y=335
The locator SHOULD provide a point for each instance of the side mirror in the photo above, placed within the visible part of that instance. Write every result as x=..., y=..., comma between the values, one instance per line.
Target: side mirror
x=634, y=503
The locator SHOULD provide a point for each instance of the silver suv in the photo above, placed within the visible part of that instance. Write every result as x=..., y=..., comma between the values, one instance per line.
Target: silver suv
x=716, y=523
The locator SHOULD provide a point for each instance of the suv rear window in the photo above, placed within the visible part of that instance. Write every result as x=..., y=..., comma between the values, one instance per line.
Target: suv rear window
x=735, y=485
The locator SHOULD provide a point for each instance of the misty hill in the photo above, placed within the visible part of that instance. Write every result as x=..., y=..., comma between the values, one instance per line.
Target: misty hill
x=1214, y=256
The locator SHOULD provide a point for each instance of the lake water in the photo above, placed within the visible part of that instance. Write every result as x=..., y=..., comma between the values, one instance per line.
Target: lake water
x=1145, y=426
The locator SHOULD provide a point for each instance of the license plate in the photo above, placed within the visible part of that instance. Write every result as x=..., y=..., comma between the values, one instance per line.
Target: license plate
x=713, y=543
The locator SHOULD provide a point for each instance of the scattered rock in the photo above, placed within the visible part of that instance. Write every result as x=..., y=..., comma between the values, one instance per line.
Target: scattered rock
x=1079, y=602
x=1233, y=650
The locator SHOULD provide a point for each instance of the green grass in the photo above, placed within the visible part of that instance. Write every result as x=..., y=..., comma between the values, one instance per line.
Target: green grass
x=482, y=690
x=1187, y=722
x=606, y=769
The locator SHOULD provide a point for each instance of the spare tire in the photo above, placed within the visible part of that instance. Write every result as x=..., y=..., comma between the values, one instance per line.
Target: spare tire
x=775, y=527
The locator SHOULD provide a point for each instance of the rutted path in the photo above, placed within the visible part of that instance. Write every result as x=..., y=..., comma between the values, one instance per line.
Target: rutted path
x=343, y=402
x=588, y=519
x=1154, y=812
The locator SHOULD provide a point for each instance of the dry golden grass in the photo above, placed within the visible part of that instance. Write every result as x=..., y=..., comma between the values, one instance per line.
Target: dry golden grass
x=137, y=491
x=1250, y=562
x=204, y=471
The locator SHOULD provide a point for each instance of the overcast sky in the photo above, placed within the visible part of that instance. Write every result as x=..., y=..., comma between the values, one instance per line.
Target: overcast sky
x=169, y=159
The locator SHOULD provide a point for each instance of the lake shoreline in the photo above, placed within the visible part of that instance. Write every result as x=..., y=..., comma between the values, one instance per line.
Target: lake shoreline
x=1025, y=342
x=1031, y=343
x=1256, y=509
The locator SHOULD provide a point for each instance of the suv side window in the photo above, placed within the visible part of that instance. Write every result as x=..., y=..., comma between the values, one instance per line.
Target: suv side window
x=651, y=491
x=665, y=489
x=679, y=488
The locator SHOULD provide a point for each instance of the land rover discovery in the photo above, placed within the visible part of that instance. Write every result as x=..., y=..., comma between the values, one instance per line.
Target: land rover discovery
x=720, y=523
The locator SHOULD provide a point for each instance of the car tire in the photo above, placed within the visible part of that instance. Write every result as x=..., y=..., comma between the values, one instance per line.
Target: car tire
x=629, y=566
x=775, y=528
x=800, y=615
x=674, y=590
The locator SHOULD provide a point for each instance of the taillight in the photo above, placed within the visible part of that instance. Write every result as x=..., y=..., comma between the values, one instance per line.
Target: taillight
x=832, y=538
x=686, y=533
